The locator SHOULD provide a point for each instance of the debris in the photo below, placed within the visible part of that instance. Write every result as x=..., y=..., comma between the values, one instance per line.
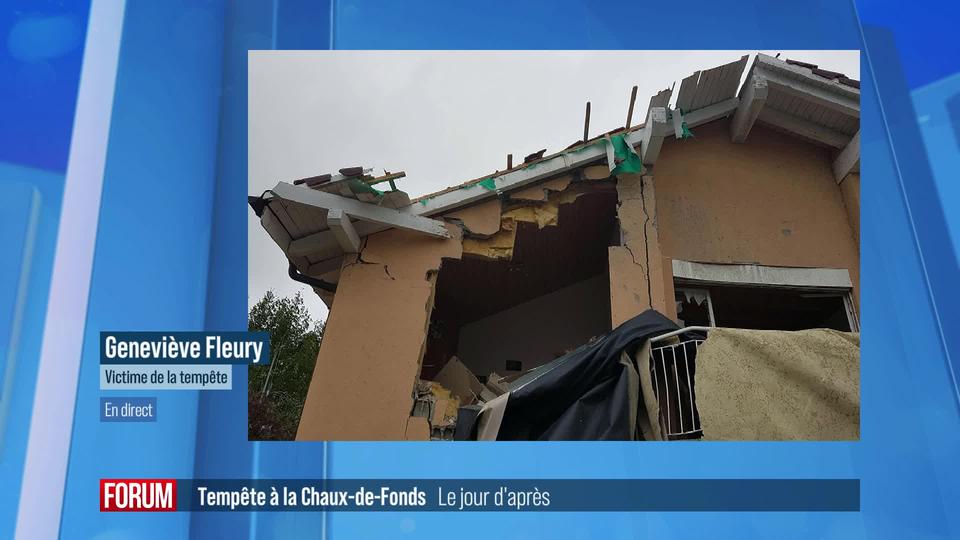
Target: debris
x=849, y=82
x=435, y=403
x=351, y=171
x=497, y=385
x=827, y=74
x=313, y=180
x=801, y=64
x=534, y=156
x=460, y=381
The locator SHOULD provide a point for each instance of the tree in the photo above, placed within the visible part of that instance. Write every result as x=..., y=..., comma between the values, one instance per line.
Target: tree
x=276, y=392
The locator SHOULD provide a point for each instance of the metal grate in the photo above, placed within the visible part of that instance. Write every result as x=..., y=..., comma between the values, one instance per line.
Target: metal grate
x=673, y=367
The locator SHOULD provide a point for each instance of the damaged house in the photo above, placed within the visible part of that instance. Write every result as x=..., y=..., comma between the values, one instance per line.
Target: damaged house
x=667, y=280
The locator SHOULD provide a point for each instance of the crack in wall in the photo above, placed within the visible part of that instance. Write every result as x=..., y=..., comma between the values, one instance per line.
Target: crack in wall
x=646, y=242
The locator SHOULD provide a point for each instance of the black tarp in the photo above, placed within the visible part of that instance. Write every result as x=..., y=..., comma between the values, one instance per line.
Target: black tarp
x=582, y=395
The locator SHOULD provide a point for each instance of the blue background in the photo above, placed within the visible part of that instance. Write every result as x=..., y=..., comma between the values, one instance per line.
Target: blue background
x=176, y=175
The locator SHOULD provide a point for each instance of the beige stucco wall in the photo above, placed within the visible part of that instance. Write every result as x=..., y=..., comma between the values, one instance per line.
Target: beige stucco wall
x=772, y=201
x=369, y=360
x=850, y=186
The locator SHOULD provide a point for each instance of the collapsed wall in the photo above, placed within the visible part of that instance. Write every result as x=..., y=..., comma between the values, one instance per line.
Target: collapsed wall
x=772, y=202
x=365, y=383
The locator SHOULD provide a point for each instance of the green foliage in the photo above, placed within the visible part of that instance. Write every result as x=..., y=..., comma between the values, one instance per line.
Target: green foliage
x=275, y=398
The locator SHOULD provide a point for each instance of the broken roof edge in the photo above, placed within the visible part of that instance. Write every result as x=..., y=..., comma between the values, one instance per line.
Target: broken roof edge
x=799, y=70
x=580, y=145
x=644, y=139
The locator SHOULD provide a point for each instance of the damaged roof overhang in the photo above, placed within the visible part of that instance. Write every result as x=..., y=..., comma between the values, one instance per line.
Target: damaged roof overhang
x=315, y=225
x=816, y=105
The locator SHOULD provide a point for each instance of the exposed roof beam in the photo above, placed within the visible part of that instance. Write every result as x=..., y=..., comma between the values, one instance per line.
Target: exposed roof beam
x=804, y=128
x=752, y=98
x=654, y=130
x=710, y=113
x=388, y=217
x=343, y=230
x=849, y=159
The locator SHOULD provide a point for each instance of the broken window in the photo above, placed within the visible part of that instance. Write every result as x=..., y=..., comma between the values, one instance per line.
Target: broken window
x=764, y=308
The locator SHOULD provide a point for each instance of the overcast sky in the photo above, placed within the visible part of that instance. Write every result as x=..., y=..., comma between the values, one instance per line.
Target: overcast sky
x=443, y=117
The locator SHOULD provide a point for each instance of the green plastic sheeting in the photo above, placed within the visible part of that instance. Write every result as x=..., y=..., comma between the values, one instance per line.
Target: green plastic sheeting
x=685, y=132
x=359, y=186
x=488, y=184
x=627, y=160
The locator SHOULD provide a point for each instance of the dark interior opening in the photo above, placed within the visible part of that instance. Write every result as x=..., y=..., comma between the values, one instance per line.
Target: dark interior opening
x=763, y=308
x=506, y=316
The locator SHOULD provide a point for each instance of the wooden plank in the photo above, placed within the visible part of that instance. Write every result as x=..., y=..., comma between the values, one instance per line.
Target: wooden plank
x=586, y=124
x=283, y=214
x=734, y=70
x=705, y=88
x=688, y=87
x=633, y=100
x=271, y=223
x=711, y=113
x=660, y=99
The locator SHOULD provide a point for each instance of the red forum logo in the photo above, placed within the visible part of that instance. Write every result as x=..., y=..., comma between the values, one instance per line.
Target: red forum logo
x=138, y=495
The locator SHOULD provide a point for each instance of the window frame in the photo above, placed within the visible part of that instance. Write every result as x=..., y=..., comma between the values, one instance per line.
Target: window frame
x=698, y=277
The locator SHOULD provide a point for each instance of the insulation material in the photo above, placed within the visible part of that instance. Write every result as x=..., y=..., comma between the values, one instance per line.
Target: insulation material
x=434, y=402
x=480, y=219
x=773, y=385
x=596, y=172
x=371, y=376
x=541, y=191
x=542, y=214
x=445, y=412
x=500, y=245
